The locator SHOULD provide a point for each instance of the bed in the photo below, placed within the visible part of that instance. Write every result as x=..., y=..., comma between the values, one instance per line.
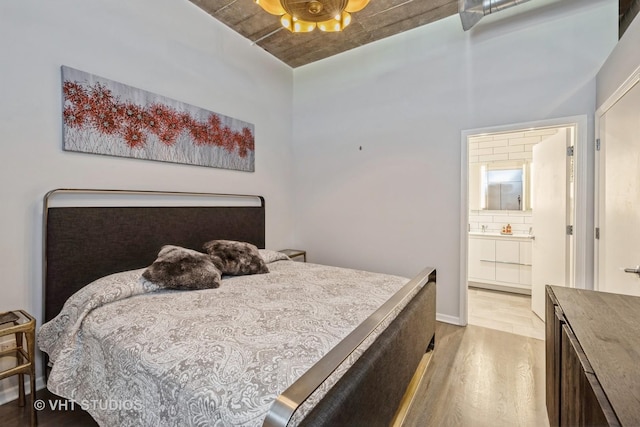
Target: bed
x=353, y=374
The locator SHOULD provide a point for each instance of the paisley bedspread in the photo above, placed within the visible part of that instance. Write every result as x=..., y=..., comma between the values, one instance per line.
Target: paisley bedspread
x=134, y=355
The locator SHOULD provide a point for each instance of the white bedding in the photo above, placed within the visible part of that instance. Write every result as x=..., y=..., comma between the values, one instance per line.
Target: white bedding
x=134, y=355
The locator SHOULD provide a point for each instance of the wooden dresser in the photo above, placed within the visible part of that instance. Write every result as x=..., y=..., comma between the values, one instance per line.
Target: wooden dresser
x=592, y=358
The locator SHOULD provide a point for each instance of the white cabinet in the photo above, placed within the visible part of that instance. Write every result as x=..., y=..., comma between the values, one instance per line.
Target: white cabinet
x=500, y=261
x=525, y=263
x=507, y=261
x=482, y=257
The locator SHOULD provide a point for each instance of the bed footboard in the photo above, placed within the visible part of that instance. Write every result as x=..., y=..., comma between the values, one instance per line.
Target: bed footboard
x=370, y=392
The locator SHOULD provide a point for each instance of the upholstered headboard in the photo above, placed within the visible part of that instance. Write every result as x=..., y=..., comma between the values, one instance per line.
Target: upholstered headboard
x=84, y=243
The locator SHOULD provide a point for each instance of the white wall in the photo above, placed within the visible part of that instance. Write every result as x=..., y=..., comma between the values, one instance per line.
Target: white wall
x=395, y=205
x=169, y=47
x=623, y=61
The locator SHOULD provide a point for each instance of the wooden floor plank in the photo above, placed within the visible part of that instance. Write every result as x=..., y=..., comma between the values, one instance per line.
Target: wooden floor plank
x=481, y=377
x=504, y=311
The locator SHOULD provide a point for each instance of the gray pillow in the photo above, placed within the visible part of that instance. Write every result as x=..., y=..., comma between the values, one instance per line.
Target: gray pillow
x=184, y=269
x=236, y=258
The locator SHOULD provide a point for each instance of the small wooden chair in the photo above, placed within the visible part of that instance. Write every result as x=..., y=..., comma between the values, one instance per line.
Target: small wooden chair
x=23, y=326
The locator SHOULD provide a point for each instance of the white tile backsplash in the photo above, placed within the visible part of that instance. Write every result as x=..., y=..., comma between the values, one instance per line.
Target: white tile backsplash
x=541, y=132
x=480, y=152
x=494, y=221
x=508, y=146
x=512, y=149
x=523, y=155
x=526, y=140
x=497, y=143
x=493, y=157
x=482, y=138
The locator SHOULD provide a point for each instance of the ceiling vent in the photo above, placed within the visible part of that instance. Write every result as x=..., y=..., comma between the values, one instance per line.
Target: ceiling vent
x=471, y=11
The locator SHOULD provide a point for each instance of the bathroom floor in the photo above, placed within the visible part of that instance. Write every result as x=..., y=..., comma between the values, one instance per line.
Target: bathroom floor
x=505, y=312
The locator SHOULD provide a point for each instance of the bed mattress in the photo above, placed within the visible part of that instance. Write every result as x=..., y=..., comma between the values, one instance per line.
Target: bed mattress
x=133, y=355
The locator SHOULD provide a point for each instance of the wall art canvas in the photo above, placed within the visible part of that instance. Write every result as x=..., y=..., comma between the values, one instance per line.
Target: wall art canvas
x=101, y=116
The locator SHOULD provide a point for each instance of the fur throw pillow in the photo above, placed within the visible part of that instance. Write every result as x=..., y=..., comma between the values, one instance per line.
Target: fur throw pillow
x=184, y=269
x=270, y=256
x=236, y=258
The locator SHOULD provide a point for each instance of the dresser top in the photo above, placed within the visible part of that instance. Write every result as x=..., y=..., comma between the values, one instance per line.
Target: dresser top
x=608, y=328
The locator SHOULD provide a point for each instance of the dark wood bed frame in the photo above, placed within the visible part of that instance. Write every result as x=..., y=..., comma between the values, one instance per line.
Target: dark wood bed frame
x=84, y=243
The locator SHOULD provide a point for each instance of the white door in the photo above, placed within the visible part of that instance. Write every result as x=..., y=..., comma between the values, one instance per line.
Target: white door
x=619, y=176
x=549, y=207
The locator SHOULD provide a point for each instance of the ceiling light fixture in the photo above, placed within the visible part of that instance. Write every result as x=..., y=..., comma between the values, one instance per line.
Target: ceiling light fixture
x=302, y=16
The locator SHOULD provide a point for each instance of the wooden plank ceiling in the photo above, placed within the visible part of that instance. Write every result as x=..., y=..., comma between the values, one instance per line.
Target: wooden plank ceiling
x=381, y=18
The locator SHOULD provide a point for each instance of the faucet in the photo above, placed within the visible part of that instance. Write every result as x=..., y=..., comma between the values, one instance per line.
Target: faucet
x=484, y=228
x=530, y=231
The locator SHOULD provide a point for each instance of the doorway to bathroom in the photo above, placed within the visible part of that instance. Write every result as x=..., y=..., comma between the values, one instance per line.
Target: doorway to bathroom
x=522, y=192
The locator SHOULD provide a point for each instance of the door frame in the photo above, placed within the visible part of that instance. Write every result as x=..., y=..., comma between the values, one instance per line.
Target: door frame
x=621, y=91
x=580, y=201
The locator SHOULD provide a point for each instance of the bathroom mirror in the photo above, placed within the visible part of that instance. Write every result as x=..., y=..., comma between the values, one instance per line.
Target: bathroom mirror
x=504, y=189
x=500, y=186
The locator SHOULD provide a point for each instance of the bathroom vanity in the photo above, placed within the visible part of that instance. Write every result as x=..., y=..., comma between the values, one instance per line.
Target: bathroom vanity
x=500, y=262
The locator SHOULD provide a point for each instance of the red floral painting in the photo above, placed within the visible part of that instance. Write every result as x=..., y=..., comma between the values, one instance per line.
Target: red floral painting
x=101, y=116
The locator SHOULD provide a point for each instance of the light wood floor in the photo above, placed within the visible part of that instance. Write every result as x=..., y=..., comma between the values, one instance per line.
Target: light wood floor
x=481, y=377
x=504, y=312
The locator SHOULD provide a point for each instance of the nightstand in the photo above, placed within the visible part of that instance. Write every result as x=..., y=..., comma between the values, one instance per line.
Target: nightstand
x=294, y=253
x=20, y=324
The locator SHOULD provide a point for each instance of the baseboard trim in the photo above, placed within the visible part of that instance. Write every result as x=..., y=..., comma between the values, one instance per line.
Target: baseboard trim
x=11, y=393
x=454, y=320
